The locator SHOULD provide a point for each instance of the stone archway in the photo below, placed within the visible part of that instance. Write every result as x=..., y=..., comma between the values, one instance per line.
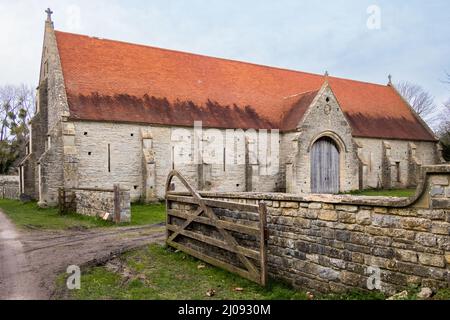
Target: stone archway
x=325, y=165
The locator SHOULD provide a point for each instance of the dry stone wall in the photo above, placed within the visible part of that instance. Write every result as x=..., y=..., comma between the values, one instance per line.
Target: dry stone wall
x=334, y=243
x=9, y=187
x=100, y=202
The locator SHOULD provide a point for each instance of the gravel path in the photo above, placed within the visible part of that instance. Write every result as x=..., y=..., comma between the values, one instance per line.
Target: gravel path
x=30, y=261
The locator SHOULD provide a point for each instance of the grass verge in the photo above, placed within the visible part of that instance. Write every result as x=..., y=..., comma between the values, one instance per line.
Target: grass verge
x=385, y=193
x=142, y=214
x=29, y=215
x=156, y=273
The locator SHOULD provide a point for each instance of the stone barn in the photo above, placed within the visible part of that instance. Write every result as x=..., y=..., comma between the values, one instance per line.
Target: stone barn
x=111, y=112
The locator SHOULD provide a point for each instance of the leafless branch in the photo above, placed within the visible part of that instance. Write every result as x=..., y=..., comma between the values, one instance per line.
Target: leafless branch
x=420, y=100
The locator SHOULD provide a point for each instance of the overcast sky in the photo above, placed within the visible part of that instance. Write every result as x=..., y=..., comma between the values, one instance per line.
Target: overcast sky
x=410, y=40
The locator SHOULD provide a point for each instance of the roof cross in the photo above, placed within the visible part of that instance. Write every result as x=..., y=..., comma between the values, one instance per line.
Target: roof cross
x=49, y=13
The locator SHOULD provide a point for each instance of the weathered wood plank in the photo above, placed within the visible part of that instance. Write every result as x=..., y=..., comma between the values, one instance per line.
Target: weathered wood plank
x=222, y=223
x=216, y=203
x=263, y=242
x=215, y=242
x=215, y=262
x=116, y=203
x=231, y=241
x=324, y=166
x=185, y=224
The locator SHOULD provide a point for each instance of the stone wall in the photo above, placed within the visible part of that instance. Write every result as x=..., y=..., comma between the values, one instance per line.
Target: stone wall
x=100, y=202
x=324, y=118
x=140, y=157
x=333, y=243
x=44, y=168
x=382, y=157
x=9, y=187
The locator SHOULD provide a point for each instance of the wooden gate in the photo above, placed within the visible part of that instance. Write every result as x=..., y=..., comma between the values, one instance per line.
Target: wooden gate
x=66, y=201
x=324, y=166
x=198, y=227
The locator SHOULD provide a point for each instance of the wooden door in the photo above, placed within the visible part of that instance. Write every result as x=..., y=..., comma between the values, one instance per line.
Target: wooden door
x=324, y=166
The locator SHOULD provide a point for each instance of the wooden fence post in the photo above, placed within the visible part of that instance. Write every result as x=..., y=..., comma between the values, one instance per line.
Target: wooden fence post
x=61, y=201
x=116, y=203
x=264, y=238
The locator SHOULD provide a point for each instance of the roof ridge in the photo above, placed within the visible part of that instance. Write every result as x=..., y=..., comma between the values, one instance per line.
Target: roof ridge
x=217, y=58
x=300, y=94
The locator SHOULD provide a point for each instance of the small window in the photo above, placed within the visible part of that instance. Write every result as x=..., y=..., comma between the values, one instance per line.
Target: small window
x=327, y=99
x=85, y=133
x=224, y=160
x=132, y=134
x=397, y=166
x=89, y=153
x=45, y=68
x=109, y=158
x=173, y=158
x=135, y=187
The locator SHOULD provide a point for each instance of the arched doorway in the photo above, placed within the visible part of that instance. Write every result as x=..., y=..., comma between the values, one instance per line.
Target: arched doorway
x=325, y=166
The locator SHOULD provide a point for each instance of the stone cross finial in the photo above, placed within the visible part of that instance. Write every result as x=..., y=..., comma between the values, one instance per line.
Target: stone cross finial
x=326, y=73
x=390, y=79
x=49, y=13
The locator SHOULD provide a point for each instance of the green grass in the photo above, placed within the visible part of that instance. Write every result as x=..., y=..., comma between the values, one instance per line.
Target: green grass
x=385, y=193
x=443, y=294
x=159, y=273
x=156, y=273
x=30, y=215
x=142, y=214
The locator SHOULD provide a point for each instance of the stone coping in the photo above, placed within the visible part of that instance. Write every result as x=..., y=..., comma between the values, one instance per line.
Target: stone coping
x=9, y=179
x=336, y=199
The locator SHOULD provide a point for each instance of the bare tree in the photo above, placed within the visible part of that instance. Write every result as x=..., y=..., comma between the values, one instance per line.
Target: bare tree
x=448, y=78
x=16, y=110
x=421, y=101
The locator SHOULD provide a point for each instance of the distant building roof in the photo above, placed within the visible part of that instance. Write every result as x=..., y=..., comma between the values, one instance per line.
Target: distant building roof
x=115, y=81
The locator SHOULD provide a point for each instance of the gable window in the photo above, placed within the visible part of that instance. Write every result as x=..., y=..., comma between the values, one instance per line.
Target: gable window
x=49, y=142
x=45, y=68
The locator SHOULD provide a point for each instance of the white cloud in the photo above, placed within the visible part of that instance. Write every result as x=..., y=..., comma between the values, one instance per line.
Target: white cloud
x=73, y=13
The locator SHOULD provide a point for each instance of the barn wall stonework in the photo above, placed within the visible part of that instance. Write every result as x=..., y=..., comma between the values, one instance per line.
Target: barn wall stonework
x=324, y=118
x=139, y=157
x=44, y=167
x=408, y=155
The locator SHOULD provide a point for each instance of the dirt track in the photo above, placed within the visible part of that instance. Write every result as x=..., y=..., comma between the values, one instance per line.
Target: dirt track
x=30, y=261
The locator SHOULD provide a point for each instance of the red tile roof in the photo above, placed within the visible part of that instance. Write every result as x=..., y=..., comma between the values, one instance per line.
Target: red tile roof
x=116, y=81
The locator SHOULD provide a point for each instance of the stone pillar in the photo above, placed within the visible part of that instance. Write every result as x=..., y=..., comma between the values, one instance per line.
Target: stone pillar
x=439, y=158
x=414, y=165
x=386, y=172
x=149, y=167
x=291, y=166
x=252, y=166
x=363, y=166
x=70, y=155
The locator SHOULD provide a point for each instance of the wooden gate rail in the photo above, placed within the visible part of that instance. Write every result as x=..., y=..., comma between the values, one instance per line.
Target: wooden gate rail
x=66, y=201
x=228, y=243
